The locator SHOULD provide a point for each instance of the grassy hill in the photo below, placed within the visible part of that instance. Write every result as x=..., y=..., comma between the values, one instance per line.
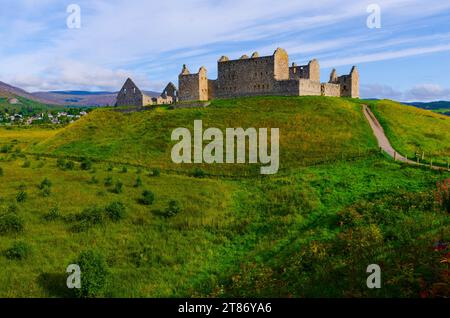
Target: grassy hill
x=312, y=130
x=413, y=130
x=308, y=232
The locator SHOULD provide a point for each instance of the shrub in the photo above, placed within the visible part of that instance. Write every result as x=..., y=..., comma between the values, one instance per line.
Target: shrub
x=21, y=196
x=124, y=169
x=86, y=164
x=138, y=182
x=116, y=211
x=6, y=148
x=52, y=215
x=173, y=209
x=1, y=172
x=110, y=168
x=18, y=251
x=118, y=188
x=61, y=163
x=46, y=183
x=108, y=181
x=156, y=172
x=26, y=164
x=198, y=173
x=12, y=208
x=148, y=197
x=10, y=223
x=94, y=272
x=91, y=216
x=46, y=192
x=443, y=194
x=70, y=165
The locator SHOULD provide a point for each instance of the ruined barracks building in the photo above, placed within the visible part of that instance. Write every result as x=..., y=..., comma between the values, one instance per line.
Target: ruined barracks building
x=131, y=95
x=267, y=75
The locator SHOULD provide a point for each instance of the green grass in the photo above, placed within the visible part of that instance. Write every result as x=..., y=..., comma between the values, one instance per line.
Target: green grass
x=412, y=130
x=310, y=231
x=312, y=130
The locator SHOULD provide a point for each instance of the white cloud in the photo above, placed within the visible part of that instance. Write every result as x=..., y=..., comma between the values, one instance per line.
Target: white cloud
x=418, y=93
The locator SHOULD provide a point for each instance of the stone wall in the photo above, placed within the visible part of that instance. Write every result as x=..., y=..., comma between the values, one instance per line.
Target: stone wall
x=310, y=71
x=309, y=88
x=131, y=95
x=330, y=89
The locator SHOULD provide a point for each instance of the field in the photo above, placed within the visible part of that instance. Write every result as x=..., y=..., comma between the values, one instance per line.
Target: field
x=310, y=231
x=413, y=130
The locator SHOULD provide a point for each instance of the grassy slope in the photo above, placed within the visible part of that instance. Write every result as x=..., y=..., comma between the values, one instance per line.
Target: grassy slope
x=312, y=129
x=309, y=233
x=412, y=130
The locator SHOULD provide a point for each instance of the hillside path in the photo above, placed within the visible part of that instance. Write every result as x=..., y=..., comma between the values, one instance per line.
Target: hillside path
x=383, y=141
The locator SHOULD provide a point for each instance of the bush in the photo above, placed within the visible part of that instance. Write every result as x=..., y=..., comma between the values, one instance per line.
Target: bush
x=116, y=211
x=21, y=196
x=94, y=272
x=108, y=181
x=91, y=216
x=26, y=164
x=124, y=169
x=10, y=223
x=1, y=172
x=148, y=197
x=53, y=215
x=86, y=164
x=70, y=165
x=46, y=192
x=118, y=188
x=61, y=163
x=443, y=194
x=110, y=168
x=46, y=183
x=138, y=182
x=198, y=173
x=18, y=251
x=156, y=172
x=173, y=209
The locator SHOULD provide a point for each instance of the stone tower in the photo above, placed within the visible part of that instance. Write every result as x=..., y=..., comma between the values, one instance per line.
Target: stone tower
x=281, y=65
x=311, y=71
x=350, y=84
x=193, y=87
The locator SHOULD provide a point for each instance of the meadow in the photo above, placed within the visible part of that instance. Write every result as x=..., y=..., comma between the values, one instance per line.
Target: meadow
x=415, y=131
x=160, y=231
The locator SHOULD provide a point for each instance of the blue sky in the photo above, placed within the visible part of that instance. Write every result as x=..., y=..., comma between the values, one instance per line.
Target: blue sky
x=406, y=59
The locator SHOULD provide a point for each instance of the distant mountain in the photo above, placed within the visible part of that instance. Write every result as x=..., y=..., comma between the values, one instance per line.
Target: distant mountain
x=84, y=98
x=431, y=105
x=10, y=91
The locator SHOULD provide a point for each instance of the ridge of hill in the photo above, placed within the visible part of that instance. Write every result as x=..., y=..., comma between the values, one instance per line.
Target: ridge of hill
x=312, y=130
x=9, y=91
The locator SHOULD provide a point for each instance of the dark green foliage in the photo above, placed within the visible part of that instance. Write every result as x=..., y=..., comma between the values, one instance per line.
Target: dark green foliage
x=1, y=172
x=18, y=251
x=46, y=183
x=124, y=169
x=86, y=164
x=118, y=187
x=108, y=181
x=138, y=182
x=148, y=197
x=70, y=165
x=46, y=192
x=173, y=209
x=116, y=211
x=61, y=163
x=21, y=196
x=156, y=172
x=10, y=223
x=52, y=215
x=198, y=173
x=91, y=216
x=94, y=273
